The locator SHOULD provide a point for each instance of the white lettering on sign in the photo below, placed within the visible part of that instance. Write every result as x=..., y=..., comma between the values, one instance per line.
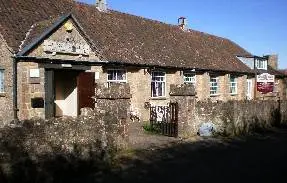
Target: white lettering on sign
x=265, y=78
x=66, y=47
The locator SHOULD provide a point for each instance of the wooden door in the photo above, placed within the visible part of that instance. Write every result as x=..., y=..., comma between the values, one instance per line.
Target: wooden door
x=49, y=94
x=86, y=90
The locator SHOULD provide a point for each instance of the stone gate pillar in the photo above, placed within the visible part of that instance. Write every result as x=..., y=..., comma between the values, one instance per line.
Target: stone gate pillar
x=184, y=95
x=115, y=100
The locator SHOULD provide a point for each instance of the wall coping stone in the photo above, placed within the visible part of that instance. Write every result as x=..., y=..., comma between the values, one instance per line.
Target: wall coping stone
x=182, y=90
x=115, y=91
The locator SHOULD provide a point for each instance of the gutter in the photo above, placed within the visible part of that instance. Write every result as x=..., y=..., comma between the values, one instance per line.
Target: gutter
x=15, y=86
x=118, y=63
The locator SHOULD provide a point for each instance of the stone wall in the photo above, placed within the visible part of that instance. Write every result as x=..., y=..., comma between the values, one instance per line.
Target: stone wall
x=44, y=146
x=29, y=88
x=139, y=80
x=6, y=99
x=230, y=118
x=237, y=117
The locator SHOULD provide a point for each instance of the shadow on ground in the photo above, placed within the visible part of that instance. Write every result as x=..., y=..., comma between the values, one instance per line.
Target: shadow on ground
x=256, y=158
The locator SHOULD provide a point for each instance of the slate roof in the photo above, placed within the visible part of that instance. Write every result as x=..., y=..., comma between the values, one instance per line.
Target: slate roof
x=122, y=37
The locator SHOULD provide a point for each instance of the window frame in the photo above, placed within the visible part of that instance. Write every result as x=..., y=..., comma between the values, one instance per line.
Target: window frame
x=2, y=81
x=233, y=82
x=117, y=81
x=213, y=86
x=191, y=78
x=156, y=81
x=261, y=64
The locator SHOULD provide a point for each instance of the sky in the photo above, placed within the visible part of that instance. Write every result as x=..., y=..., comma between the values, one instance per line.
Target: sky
x=259, y=26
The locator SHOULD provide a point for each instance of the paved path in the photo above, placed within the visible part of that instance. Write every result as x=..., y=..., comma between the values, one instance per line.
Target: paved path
x=256, y=158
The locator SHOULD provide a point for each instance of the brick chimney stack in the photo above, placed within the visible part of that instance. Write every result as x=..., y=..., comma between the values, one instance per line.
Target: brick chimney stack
x=273, y=61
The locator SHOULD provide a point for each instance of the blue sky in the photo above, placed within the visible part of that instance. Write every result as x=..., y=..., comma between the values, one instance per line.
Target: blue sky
x=259, y=26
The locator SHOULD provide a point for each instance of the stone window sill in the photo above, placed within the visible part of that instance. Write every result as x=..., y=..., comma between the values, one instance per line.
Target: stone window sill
x=233, y=94
x=158, y=98
x=214, y=95
x=2, y=94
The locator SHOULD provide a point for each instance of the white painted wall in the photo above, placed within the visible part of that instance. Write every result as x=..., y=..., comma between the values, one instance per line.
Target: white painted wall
x=66, y=92
x=71, y=104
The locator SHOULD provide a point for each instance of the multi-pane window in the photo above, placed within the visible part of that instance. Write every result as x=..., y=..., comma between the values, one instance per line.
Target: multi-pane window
x=232, y=85
x=189, y=77
x=117, y=76
x=261, y=64
x=214, y=85
x=158, y=84
x=1, y=81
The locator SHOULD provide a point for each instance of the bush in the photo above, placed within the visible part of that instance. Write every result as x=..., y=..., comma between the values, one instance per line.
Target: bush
x=151, y=129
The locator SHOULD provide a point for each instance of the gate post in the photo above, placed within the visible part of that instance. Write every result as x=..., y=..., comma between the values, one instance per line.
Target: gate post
x=184, y=95
x=116, y=101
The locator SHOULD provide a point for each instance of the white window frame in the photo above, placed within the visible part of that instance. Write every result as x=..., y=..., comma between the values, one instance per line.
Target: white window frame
x=233, y=85
x=214, y=84
x=2, y=81
x=261, y=64
x=249, y=89
x=117, y=80
x=189, y=78
x=162, y=75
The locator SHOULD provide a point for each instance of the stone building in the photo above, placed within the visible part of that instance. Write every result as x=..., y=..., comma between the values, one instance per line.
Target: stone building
x=54, y=54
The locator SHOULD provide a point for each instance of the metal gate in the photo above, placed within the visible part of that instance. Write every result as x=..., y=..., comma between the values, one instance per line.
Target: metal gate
x=164, y=119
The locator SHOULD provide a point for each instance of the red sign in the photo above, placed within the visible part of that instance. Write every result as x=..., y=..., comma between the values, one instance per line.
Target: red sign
x=265, y=83
x=265, y=87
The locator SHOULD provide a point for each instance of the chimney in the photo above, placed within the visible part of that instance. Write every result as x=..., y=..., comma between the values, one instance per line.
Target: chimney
x=273, y=61
x=101, y=5
x=182, y=23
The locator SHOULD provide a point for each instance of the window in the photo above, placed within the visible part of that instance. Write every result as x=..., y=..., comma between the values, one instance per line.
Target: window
x=233, y=85
x=117, y=76
x=213, y=85
x=158, y=84
x=189, y=77
x=1, y=81
x=261, y=64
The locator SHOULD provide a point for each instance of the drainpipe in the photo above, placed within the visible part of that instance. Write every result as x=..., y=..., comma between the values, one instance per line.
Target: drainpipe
x=255, y=73
x=15, y=107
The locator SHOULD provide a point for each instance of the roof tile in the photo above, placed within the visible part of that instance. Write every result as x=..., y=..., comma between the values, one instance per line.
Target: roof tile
x=122, y=37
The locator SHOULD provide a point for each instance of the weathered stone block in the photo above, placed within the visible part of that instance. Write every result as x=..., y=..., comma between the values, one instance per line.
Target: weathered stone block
x=115, y=91
x=182, y=90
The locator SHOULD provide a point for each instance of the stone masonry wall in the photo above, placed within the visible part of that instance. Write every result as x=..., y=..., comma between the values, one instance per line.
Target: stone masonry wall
x=139, y=80
x=230, y=118
x=184, y=96
x=237, y=117
x=29, y=89
x=115, y=100
x=6, y=99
